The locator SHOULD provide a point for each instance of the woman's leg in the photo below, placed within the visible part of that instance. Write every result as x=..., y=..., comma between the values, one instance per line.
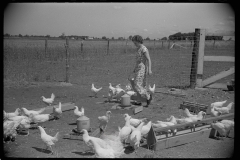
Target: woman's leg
x=140, y=82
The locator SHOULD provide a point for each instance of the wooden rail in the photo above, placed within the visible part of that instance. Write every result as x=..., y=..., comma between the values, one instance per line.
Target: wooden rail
x=206, y=121
x=184, y=136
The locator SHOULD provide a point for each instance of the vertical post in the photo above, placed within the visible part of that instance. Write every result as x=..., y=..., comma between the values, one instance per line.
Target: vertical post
x=82, y=49
x=194, y=58
x=214, y=44
x=126, y=46
x=108, y=47
x=67, y=60
x=46, y=46
x=154, y=45
x=200, y=58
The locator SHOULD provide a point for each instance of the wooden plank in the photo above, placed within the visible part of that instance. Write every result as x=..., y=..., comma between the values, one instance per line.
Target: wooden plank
x=181, y=139
x=206, y=121
x=218, y=86
x=65, y=107
x=184, y=131
x=200, y=57
x=195, y=103
x=137, y=109
x=218, y=76
x=219, y=58
x=96, y=133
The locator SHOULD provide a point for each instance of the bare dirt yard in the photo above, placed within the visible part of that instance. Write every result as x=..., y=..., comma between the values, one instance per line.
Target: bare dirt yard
x=162, y=107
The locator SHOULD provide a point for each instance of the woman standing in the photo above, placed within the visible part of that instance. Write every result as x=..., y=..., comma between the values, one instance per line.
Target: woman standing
x=142, y=69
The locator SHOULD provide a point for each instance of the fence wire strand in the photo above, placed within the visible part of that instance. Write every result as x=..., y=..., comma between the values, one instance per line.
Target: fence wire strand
x=172, y=59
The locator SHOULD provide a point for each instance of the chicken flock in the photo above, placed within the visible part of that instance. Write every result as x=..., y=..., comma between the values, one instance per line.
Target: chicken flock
x=109, y=146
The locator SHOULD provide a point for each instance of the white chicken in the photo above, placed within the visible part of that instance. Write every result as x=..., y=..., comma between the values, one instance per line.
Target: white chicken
x=12, y=114
x=223, y=127
x=160, y=125
x=119, y=93
x=48, y=101
x=113, y=140
x=218, y=104
x=78, y=113
x=174, y=132
x=214, y=113
x=95, y=90
x=17, y=118
x=39, y=118
x=172, y=119
x=128, y=87
x=103, y=120
x=28, y=112
x=146, y=128
x=126, y=130
x=187, y=113
x=133, y=121
x=48, y=140
x=25, y=124
x=113, y=89
x=186, y=120
x=57, y=111
x=152, y=89
x=118, y=86
x=199, y=117
x=135, y=136
x=101, y=152
x=131, y=93
x=10, y=129
x=86, y=139
x=224, y=110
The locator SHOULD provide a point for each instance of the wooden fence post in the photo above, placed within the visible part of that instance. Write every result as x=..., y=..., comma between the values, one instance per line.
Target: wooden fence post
x=200, y=58
x=46, y=47
x=214, y=45
x=67, y=60
x=193, y=75
x=126, y=46
x=108, y=47
x=82, y=49
x=154, y=45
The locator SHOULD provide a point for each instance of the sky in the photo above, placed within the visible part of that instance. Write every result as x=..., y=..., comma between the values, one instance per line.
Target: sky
x=153, y=20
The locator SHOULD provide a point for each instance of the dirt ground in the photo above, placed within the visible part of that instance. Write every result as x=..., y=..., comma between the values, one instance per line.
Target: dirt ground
x=162, y=107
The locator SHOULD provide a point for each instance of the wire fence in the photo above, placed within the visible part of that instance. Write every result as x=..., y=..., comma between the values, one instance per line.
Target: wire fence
x=28, y=60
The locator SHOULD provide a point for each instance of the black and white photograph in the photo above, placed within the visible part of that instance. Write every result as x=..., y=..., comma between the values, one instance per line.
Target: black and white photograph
x=118, y=79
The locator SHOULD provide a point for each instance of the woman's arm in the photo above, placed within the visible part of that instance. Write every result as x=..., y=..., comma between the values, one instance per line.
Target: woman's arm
x=149, y=63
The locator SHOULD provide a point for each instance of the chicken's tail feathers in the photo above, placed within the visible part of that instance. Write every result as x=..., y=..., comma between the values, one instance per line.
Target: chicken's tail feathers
x=41, y=110
x=52, y=96
x=119, y=129
x=56, y=137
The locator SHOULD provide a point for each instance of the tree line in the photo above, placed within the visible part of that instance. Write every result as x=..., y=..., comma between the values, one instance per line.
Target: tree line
x=176, y=36
x=190, y=36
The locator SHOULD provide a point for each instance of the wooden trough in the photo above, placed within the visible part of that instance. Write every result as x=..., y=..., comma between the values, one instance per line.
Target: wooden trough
x=183, y=136
x=194, y=107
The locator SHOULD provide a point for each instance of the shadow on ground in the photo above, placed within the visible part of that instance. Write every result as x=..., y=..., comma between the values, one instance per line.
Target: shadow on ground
x=84, y=153
x=42, y=150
